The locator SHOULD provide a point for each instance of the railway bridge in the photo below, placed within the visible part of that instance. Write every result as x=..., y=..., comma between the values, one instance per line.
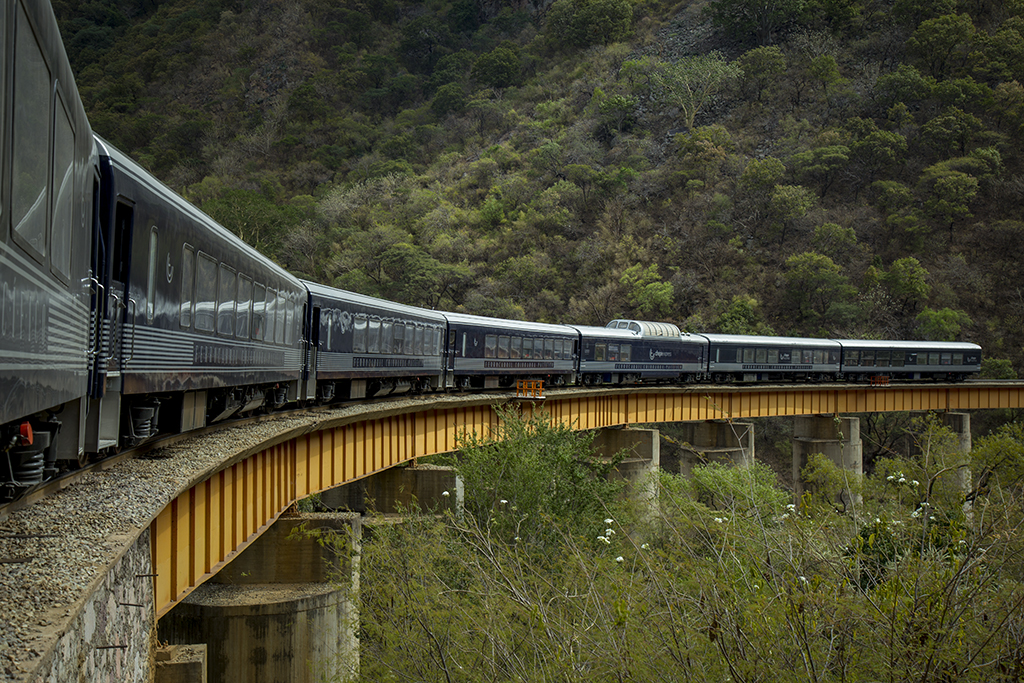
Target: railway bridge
x=216, y=507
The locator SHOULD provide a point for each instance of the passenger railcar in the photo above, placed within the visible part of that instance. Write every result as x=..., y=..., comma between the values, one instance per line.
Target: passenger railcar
x=47, y=177
x=953, y=361
x=362, y=346
x=635, y=351
x=490, y=352
x=743, y=358
x=202, y=326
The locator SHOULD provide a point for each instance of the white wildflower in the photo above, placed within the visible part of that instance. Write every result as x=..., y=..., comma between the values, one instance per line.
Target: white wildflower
x=609, y=532
x=445, y=494
x=620, y=558
x=604, y=539
x=503, y=501
x=647, y=546
x=609, y=520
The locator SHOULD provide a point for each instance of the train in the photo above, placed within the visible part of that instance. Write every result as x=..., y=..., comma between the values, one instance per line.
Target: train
x=126, y=312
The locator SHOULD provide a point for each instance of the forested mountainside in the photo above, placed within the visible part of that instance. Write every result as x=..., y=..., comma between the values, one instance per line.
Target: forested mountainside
x=813, y=167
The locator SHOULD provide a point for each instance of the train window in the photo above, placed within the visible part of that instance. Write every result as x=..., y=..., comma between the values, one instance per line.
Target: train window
x=818, y=357
x=773, y=356
x=549, y=349
x=503, y=343
x=414, y=336
x=958, y=359
x=281, y=318
x=226, y=290
x=882, y=359
x=490, y=346
x=833, y=356
x=437, y=343
x=259, y=311
x=516, y=349
x=243, y=306
x=625, y=353
x=206, y=292
x=31, y=124
x=63, y=192
x=867, y=358
x=761, y=356
x=806, y=356
x=386, y=337
x=748, y=355
x=151, y=275
x=920, y=358
x=613, y=352
x=600, y=351
x=399, y=345
x=3, y=90
x=188, y=266
x=359, y=334
x=933, y=359
x=852, y=357
x=373, y=336
x=527, y=347
x=270, y=315
x=897, y=359
x=945, y=358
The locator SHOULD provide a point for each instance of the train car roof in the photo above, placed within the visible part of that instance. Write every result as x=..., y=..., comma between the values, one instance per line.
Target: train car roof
x=646, y=327
x=342, y=295
x=607, y=332
x=777, y=341
x=514, y=325
x=133, y=169
x=908, y=344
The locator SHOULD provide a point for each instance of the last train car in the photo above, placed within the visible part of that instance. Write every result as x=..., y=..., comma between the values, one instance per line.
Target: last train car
x=635, y=351
x=47, y=175
x=362, y=346
x=200, y=326
x=951, y=361
x=745, y=358
x=490, y=352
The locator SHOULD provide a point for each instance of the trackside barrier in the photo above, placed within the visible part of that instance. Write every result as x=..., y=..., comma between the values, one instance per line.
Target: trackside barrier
x=529, y=388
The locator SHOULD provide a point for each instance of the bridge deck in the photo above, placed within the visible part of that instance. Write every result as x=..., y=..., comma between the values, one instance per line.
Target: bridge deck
x=210, y=523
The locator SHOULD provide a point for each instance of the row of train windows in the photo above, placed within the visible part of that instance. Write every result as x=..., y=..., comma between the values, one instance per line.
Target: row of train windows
x=371, y=335
x=788, y=356
x=506, y=346
x=613, y=352
x=232, y=304
x=42, y=195
x=897, y=359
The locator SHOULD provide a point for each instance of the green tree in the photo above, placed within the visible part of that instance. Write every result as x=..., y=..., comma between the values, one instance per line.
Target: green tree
x=582, y=23
x=646, y=292
x=762, y=67
x=943, y=44
x=822, y=164
x=498, y=68
x=948, y=194
x=941, y=325
x=692, y=82
x=818, y=289
x=907, y=284
x=741, y=316
x=787, y=204
x=759, y=21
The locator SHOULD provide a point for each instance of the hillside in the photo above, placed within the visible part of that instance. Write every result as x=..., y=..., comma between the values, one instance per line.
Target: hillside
x=814, y=167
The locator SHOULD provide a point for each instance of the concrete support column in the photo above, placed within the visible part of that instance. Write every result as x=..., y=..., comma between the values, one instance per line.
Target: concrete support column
x=397, y=488
x=836, y=438
x=712, y=441
x=282, y=611
x=644, y=458
x=960, y=425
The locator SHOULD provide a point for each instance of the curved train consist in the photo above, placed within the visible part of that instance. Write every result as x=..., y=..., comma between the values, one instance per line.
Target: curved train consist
x=126, y=312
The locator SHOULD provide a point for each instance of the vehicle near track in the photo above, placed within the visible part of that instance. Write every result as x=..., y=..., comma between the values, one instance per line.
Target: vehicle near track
x=363, y=346
x=636, y=351
x=744, y=358
x=489, y=353
x=953, y=361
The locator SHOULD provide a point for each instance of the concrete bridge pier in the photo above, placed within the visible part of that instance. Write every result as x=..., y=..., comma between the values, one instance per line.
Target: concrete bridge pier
x=837, y=438
x=282, y=611
x=723, y=441
x=960, y=425
x=643, y=447
x=397, y=489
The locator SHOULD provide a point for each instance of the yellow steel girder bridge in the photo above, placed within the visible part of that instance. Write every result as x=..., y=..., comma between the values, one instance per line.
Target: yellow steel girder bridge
x=208, y=524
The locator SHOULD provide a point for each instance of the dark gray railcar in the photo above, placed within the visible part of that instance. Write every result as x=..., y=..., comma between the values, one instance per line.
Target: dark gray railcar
x=491, y=353
x=47, y=175
x=363, y=346
x=203, y=326
x=954, y=361
x=632, y=351
x=744, y=358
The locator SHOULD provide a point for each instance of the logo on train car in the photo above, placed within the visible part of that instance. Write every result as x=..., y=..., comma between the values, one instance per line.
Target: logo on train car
x=660, y=354
x=370, y=362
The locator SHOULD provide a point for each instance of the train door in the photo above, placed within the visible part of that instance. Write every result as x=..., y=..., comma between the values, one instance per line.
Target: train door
x=310, y=350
